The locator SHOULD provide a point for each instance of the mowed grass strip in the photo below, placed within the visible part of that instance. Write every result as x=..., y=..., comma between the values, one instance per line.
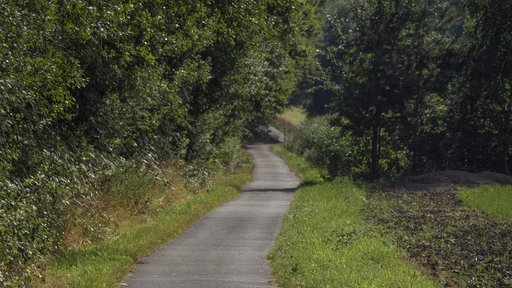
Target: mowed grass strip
x=325, y=241
x=495, y=200
x=105, y=264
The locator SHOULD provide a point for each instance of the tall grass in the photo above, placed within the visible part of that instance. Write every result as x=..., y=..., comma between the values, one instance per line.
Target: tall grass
x=495, y=200
x=325, y=241
x=105, y=263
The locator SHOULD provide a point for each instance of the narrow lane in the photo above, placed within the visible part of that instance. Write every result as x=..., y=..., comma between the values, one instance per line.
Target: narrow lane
x=229, y=247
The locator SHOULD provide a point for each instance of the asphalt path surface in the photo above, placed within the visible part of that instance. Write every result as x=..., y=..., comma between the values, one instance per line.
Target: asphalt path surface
x=229, y=246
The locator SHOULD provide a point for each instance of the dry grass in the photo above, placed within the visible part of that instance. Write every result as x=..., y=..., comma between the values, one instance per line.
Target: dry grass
x=137, y=213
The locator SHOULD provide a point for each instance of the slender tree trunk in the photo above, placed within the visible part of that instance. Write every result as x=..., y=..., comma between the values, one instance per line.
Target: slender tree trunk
x=375, y=157
x=506, y=135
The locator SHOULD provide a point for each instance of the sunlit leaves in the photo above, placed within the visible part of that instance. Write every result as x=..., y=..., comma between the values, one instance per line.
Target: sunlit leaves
x=88, y=84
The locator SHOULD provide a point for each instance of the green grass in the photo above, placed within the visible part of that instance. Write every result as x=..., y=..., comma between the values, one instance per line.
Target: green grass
x=308, y=175
x=495, y=200
x=325, y=241
x=295, y=115
x=105, y=264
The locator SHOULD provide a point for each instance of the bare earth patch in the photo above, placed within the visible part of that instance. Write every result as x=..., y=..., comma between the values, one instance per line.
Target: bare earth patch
x=458, y=245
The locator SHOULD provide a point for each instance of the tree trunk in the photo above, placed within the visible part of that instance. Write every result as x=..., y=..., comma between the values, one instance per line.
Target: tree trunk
x=506, y=135
x=375, y=157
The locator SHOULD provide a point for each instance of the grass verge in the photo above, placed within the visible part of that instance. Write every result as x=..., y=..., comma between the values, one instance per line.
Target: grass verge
x=326, y=242
x=294, y=115
x=106, y=263
x=495, y=200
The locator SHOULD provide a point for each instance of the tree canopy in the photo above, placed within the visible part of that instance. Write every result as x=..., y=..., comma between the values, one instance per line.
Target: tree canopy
x=86, y=85
x=424, y=85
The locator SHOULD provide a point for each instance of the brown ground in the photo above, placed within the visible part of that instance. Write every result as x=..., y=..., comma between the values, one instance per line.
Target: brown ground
x=451, y=178
x=457, y=245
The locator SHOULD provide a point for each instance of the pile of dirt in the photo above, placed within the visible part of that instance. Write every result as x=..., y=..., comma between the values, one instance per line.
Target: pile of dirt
x=461, y=178
x=441, y=180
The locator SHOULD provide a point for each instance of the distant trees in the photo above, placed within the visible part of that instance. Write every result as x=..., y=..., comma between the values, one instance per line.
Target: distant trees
x=424, y=85
x=86, y=85
x=370, y=61
x=481, y=112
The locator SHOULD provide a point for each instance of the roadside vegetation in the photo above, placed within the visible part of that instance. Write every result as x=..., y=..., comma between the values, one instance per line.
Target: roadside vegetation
x=135, y=94
x=451, y=226
x=407, y=88
x=326, y=242
x=140, y=230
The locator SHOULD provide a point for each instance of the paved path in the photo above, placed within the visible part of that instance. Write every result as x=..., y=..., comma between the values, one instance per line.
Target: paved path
x=229, y=247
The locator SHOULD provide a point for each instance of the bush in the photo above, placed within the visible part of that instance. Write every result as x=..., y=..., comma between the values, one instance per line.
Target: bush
x=330, y=147
x=88, y=86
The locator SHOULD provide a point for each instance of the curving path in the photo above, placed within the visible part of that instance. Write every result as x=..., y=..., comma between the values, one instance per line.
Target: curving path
x=229, y=247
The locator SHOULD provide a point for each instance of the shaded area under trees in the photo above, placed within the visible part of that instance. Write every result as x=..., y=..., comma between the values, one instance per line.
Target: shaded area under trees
x=420, y=86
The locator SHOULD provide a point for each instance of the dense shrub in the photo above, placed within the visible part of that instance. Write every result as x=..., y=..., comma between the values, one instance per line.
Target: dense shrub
x=88, y=88
x=327, y=147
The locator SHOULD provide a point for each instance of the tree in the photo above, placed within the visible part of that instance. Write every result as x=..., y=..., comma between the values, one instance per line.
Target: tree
x=88, y=85
x=367, y=61
x=35, y=79
x=387, y=73
x=483, y=105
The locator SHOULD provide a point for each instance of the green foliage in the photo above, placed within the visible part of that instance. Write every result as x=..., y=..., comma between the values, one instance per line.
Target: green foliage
x=423, y=86
x=327, y=146
x=496, y=200
x=35, y=79
x=482, y=109
x=385, y=68
x=90, y=85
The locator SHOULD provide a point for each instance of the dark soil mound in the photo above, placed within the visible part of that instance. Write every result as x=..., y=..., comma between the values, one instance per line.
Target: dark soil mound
x=442, y=180
x=461, y=178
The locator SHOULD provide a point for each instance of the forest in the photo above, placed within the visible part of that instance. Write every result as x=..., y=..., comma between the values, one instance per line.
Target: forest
x=90, y=88
x=411, y=87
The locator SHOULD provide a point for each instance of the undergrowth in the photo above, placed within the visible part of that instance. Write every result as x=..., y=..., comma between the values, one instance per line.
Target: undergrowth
x=140, y=211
